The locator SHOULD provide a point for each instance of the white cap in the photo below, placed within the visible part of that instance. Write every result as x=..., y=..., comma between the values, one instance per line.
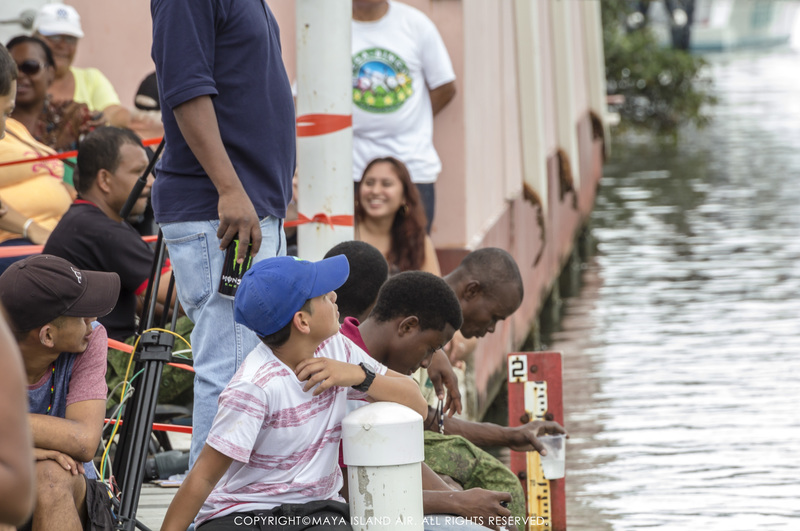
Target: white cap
x=58, y=19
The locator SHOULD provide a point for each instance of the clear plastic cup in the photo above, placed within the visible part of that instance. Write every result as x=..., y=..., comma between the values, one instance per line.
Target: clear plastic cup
x=553, y=463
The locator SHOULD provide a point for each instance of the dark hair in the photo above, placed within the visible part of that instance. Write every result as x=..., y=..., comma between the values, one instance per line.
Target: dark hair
x=276, y=339
x=20, y=335
x=492, y=267
x=100, y=150
x=25, y=39
x=407, y=251
x=368, y=272
x=8, y=71
x=422, y=294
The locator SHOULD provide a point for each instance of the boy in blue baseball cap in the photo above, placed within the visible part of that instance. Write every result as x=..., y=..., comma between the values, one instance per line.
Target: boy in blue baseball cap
x=270, y=459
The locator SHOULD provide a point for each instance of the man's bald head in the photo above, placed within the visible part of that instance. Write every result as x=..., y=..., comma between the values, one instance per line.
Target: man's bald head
x=489, y=287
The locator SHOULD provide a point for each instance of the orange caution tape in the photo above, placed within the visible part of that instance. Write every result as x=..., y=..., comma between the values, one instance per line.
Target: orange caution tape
x=124, y=347
x=20, y=250
x=343, y=220
x=67, y=154
x=322, y=124
x=25, y=250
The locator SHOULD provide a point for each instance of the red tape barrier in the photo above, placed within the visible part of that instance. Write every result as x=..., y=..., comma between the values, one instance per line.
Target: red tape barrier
x=343, y=220
x=157, y=426
x=322, y=124
x=68, y=154
x=25, y=250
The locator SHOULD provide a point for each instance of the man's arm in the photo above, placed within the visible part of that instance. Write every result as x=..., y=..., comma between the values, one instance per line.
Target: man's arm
x=520, y=438
x=12, y=221
x=77, y=434
x=441, y=96
x=199, y=483
x=162, y=304
x=441, y=375
x=16, y=462
x=237, y=216
x=479, y=505
x=392, y=387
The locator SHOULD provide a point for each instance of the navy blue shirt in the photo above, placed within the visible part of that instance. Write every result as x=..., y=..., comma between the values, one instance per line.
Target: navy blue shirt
x=229, y=50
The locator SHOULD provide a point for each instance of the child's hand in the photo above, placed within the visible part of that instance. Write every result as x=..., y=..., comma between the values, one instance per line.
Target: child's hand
x=327, y=373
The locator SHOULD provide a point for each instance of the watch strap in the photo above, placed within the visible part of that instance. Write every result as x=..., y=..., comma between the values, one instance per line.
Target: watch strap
x=370, y=376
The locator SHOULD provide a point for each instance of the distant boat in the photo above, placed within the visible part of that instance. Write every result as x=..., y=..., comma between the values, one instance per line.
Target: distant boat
x=720, y=25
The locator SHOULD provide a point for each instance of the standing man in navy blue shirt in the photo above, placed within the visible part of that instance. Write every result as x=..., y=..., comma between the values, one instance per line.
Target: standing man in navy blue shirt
x=227, y=167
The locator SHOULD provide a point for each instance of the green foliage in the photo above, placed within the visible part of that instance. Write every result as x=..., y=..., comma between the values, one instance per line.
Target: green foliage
x=663, y=88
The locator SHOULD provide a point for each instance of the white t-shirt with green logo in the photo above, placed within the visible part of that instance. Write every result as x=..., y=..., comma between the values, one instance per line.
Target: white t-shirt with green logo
x=396, y=60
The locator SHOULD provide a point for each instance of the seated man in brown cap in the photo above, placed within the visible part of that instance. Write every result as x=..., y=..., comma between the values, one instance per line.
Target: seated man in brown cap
x=51, y=306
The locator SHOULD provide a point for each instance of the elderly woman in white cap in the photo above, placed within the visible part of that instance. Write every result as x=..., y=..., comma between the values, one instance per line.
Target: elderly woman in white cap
x=59, y=25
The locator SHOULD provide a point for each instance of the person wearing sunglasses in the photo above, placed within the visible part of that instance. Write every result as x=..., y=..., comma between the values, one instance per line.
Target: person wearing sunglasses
x=57, y=125
x=59, y=25
x=32, y=195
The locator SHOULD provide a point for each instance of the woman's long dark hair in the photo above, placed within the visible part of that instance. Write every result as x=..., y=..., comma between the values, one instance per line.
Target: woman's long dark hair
x=407, y=251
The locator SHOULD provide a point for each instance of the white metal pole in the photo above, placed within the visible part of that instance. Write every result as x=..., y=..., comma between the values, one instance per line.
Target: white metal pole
x=325, y=132
x=383, y=448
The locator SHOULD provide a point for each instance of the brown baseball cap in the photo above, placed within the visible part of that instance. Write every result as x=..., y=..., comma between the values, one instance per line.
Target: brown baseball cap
x=40, y=288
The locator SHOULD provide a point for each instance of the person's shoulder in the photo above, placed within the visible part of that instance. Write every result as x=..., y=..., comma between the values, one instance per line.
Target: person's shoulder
x=410, y=14
x=88, y=73
x=19, y=134
x=83, y=222
x=341, y=348
x=337, y=347
x=262, y=368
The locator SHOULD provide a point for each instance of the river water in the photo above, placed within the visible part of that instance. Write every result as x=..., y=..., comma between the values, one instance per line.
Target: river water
x=682, y=350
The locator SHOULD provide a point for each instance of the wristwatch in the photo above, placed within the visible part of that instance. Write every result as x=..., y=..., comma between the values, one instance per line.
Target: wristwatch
x=370, y=376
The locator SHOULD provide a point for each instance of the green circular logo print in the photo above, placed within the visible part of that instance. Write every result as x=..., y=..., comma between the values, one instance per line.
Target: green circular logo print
x=381, y=82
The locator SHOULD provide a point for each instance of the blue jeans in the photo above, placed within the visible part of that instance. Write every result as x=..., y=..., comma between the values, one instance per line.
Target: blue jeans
x=427, y=194
x=219, y=344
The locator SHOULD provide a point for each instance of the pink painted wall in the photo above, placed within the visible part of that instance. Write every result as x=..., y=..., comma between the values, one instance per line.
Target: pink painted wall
x=580, y=95
x=548, y=88
x=117, y=40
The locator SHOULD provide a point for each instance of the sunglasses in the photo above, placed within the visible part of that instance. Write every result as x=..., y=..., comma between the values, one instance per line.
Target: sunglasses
x=68, y=39
x=30, y=67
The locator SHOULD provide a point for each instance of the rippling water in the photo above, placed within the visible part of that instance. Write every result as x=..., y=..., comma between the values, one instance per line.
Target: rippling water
x=682, y=351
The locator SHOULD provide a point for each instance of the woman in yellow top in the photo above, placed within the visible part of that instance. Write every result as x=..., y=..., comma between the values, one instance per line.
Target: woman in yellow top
x=33, y=189
x=59, y=26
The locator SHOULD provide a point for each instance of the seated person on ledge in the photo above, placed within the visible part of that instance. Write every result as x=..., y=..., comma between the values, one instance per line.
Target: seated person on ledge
x=92, y=235
x=272, y=447
x=51, y=306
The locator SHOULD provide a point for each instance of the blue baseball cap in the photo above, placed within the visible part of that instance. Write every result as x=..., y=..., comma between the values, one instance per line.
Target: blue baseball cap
x=273, y=290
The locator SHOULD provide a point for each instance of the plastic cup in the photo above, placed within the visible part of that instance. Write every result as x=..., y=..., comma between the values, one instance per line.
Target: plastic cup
x=553, y=463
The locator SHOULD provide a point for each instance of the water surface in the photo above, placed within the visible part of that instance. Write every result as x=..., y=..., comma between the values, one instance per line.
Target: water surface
x=682, y=351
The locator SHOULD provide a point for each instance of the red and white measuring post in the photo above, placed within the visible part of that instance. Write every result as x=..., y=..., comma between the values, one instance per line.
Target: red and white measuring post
x=535, y=393
x=324, y=125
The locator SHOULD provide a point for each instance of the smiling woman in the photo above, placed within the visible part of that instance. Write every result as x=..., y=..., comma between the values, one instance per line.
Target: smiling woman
x=59, y=126
x=59, y=26
x=389, y=216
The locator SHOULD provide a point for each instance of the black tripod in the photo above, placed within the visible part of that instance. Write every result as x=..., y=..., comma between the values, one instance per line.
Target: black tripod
x=154, y=349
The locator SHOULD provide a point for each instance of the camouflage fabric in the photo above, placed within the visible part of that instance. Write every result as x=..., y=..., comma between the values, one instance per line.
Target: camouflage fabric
x=454, y=456
x=176, y=384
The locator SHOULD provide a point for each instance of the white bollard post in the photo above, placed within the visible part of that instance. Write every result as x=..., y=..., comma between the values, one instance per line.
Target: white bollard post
x=383, y=448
